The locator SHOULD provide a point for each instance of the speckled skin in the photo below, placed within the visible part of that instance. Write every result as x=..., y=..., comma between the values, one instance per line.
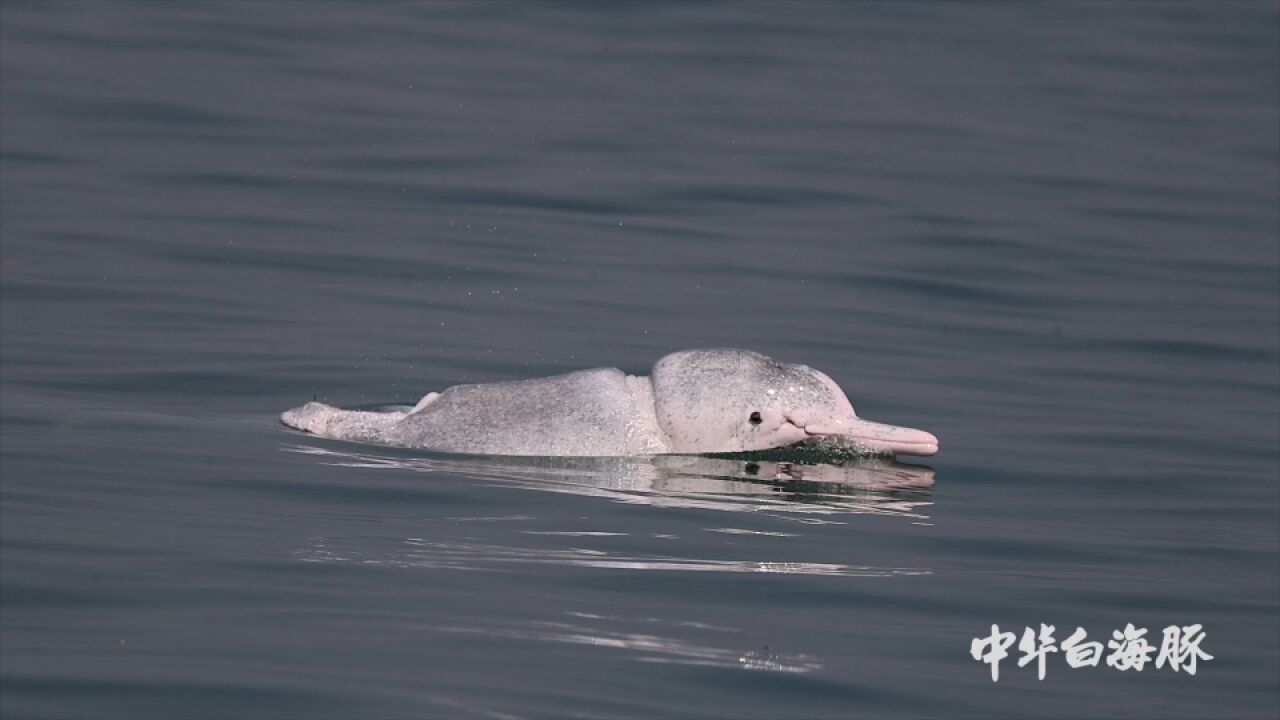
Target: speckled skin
x=705, y=398
x=600, y=412
x=699, y=401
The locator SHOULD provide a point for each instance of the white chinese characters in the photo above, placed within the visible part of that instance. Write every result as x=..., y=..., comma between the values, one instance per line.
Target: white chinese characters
x=1129, y=649
x=1179, y=649
x=992, y=650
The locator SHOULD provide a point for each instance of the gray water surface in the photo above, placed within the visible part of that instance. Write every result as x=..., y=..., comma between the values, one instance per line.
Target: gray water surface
x=1046, y=233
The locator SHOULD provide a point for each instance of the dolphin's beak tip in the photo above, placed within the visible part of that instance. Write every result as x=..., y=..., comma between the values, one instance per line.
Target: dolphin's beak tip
x=924, y=450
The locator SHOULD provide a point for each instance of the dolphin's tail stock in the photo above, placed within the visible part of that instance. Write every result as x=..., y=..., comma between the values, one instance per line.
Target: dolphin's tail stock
x=356, y=425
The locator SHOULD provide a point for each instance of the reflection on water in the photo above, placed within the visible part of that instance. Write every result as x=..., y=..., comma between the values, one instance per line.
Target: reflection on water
x=648, y=646
x=422, y=553
x=870, y=485
x=770, y=488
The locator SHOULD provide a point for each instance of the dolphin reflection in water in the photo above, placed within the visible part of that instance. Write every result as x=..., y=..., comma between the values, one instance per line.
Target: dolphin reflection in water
x=799, y=480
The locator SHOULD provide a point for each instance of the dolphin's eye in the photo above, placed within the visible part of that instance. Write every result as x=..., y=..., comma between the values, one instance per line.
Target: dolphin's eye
x=755, y=418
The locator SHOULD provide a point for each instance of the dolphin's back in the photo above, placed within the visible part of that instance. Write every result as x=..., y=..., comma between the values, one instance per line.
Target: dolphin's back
x=600, y=412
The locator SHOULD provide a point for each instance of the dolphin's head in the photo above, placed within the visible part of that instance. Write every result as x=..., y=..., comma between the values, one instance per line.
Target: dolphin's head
x=314, y=417
x=728, y=400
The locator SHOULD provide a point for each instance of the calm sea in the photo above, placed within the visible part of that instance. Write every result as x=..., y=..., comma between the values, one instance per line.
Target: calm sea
x=1047, y=233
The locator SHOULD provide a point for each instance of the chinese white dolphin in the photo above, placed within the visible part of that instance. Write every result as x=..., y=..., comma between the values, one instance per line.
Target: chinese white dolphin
x=695, y=402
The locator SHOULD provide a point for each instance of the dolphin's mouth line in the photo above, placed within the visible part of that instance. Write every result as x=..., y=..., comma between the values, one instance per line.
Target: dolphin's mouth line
x=876, y=441
x=851, y=436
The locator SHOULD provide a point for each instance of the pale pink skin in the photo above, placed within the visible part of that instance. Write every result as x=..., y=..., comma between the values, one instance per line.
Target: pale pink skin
x=880, y=437
x=704, y=399
x=874, y=436
x=695, y=402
